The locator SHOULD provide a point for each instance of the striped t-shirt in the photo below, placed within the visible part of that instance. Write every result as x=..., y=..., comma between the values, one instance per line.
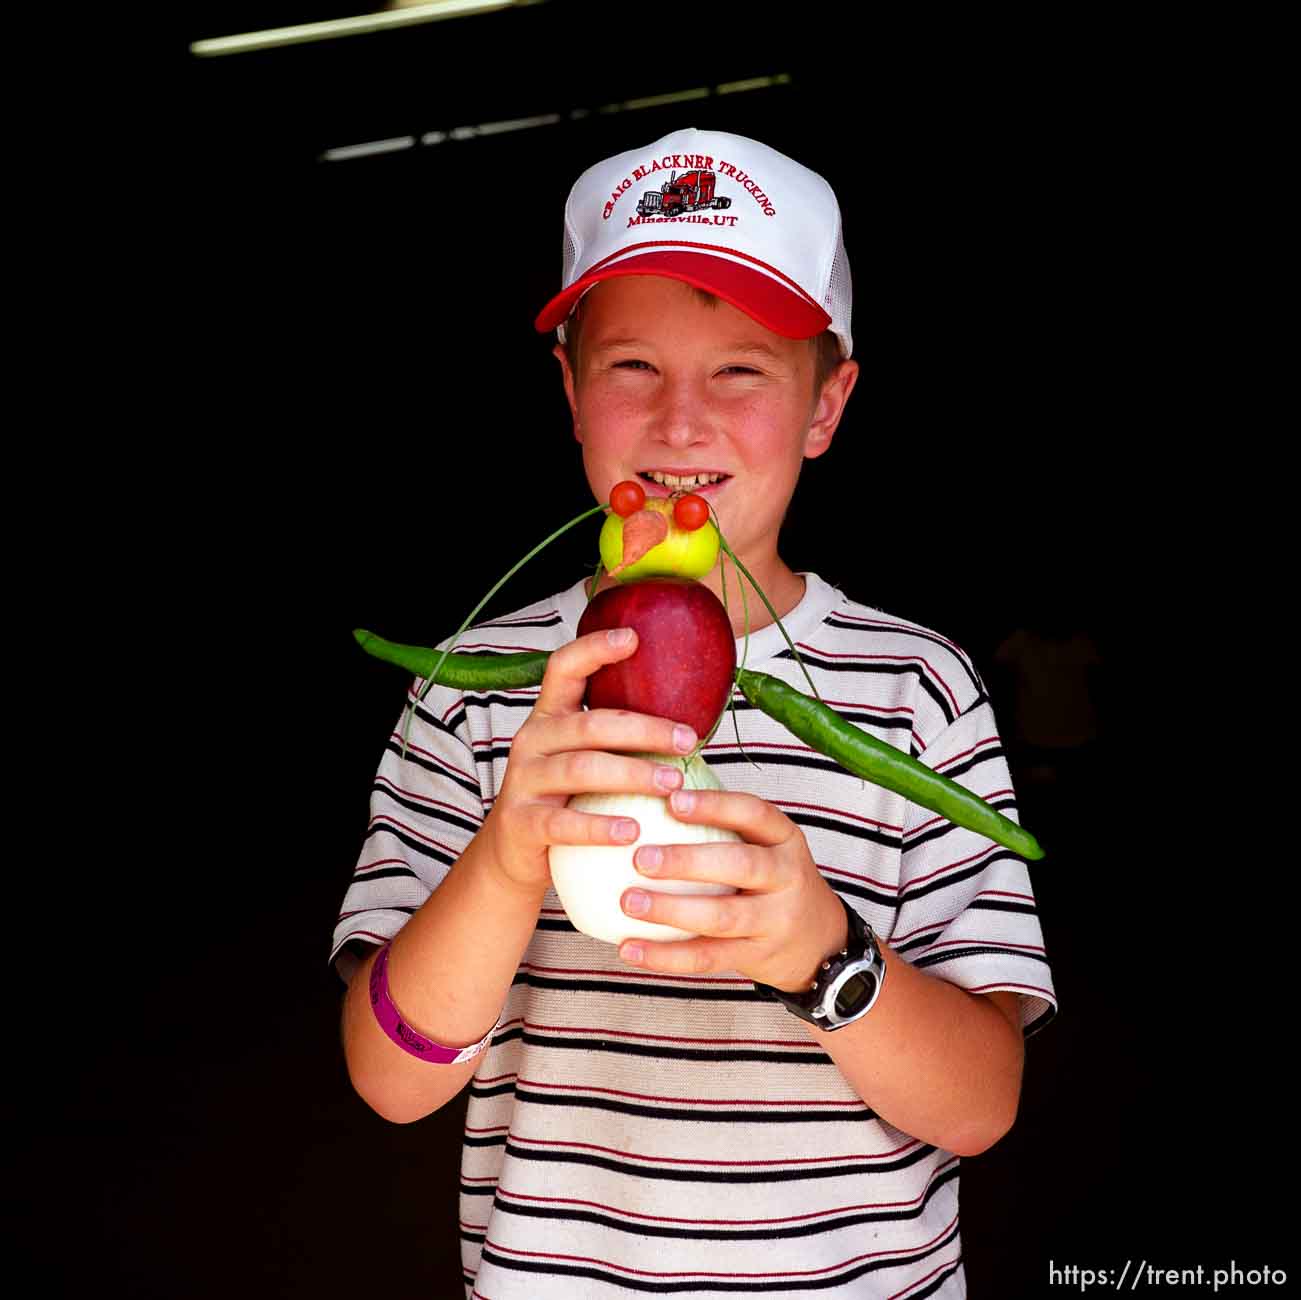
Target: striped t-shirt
x=636, y=1134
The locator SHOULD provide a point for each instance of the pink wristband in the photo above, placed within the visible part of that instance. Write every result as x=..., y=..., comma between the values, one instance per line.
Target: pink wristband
x=391, y=1022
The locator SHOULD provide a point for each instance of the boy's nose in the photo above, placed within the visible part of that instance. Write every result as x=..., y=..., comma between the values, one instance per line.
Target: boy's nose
x=682, y=419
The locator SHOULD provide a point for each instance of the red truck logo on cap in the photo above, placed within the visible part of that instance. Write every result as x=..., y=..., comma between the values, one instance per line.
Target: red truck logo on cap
x=685, y=193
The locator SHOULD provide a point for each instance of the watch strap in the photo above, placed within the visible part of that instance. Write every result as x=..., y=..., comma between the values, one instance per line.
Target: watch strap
x=810, y=1004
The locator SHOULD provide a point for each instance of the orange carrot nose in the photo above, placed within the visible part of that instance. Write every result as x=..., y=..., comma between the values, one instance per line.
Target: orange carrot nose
x=641, y=532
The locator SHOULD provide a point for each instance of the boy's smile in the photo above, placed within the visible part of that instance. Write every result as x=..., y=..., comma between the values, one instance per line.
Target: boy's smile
x=672, y=387
x=664, y=481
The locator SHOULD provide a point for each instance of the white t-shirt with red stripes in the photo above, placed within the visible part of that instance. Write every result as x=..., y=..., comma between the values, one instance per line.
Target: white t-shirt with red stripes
x=639, y=1134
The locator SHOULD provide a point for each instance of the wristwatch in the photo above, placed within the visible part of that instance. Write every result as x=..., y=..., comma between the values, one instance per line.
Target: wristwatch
x=846, y=985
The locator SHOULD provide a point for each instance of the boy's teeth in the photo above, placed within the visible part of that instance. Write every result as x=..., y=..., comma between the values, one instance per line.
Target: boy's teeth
x=683, y=481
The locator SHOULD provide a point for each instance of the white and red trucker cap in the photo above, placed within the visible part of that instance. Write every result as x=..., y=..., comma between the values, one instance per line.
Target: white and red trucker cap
x=718, y=211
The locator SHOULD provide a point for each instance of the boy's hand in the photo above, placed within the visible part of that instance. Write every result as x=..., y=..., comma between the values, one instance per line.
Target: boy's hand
x=562, y=751
x=780, y=925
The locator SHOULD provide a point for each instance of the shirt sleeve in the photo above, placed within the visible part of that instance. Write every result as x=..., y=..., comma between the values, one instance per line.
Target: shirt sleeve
x=425, y=808
x=966, y=906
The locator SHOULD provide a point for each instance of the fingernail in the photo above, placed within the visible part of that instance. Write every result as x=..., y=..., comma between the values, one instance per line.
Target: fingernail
x=620, y=636
x=682, y=801
x=668, y=778
x=624, y=830
x=684, y=738
x=636, y=903
x=649, y=858
x=632, y=952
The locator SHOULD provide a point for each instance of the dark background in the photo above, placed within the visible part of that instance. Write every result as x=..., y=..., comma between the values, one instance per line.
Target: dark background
x=379, y=434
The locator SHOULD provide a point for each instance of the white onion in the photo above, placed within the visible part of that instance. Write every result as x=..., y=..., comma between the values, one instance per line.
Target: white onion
x=591, y=878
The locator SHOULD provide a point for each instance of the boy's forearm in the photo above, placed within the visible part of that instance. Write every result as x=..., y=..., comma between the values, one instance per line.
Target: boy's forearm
x=450, y=969
x=939, y=1063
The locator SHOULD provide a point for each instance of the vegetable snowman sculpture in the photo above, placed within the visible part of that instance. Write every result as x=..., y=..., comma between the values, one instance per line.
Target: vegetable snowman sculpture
x=684, y=668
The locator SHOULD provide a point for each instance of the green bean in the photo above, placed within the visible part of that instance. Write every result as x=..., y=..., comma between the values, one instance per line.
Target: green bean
x=504, y=672
x=812, y=721
x=884, y=765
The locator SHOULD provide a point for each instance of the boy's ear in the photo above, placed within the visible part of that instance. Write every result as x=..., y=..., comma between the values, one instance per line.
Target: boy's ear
x=567, y=378
x=829, y=407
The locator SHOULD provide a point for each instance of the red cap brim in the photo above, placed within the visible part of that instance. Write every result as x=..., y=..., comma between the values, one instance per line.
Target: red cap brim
x=783, y=310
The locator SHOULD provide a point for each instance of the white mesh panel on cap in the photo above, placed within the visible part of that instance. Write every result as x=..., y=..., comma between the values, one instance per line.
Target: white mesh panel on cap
x=567, y=267
x=570, y=256
x=839, y=299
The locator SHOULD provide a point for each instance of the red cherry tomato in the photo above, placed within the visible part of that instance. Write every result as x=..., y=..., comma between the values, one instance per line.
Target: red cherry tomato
x=690, y=512
x=627, y=498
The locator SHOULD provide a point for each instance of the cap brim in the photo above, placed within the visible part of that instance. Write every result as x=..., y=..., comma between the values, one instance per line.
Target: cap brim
x=784, y=311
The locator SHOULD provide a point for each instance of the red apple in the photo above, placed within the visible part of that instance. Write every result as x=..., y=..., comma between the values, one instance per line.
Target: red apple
x=685, y=660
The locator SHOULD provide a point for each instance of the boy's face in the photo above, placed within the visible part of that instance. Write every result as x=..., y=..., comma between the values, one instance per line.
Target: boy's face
x=673, y=384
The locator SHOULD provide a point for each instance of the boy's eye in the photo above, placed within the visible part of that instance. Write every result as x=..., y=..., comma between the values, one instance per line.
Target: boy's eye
x=632, y=363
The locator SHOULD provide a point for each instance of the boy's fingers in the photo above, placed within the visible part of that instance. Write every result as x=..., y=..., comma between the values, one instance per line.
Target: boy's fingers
x=591, y=772
x=742, y=866
x=569, y=668
x=684, y=957
x=715, y=916
x=754, y=819
x=614, y=729
x=568, y=826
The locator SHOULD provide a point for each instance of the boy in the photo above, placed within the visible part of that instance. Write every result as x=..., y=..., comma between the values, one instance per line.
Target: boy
x=688, y=1116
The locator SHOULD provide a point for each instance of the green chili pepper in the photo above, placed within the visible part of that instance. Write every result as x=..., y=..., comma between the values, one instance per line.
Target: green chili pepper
x=812, y=721
x=505, y=672
x=884, y=765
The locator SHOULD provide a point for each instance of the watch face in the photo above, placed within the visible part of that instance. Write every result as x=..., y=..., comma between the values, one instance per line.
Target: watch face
x=855, y=993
